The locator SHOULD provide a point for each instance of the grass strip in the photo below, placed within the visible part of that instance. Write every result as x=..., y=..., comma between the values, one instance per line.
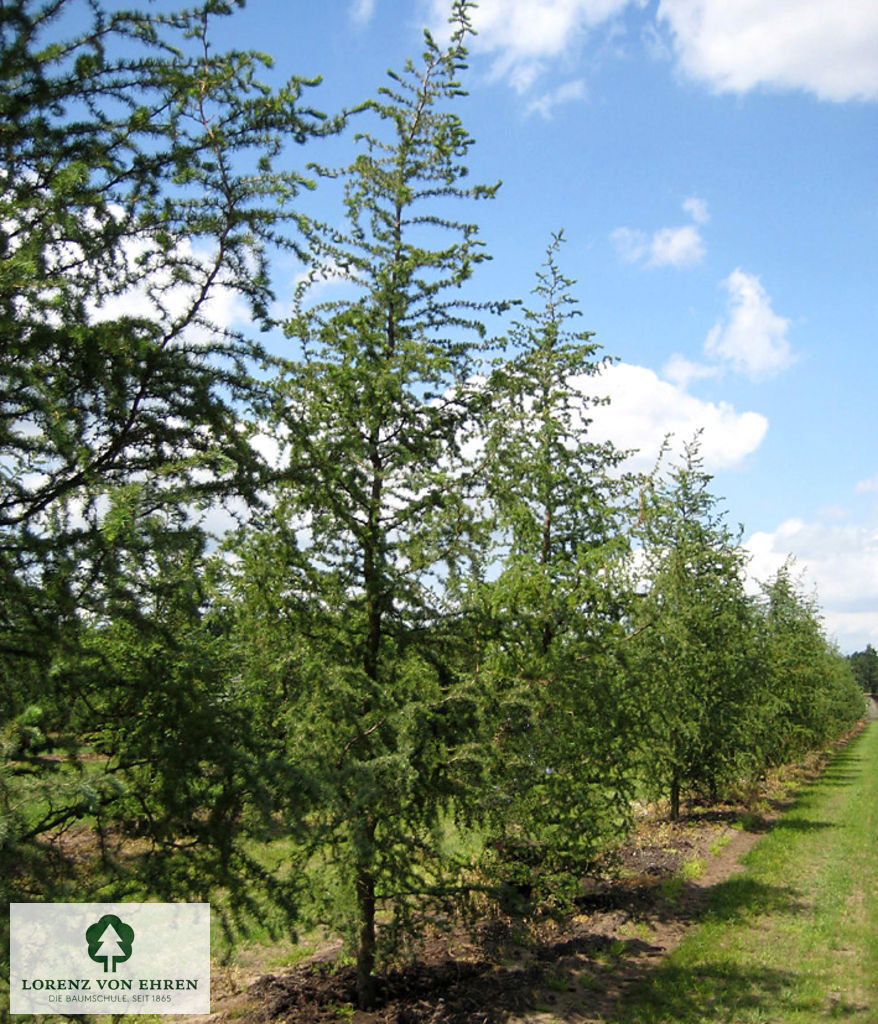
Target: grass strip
x=794, y=938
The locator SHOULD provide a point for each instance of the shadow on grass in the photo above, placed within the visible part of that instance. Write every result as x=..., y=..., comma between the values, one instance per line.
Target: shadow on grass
x=742, y=897
x=840, y=777
x=801, y=825
x=725, y=992
x=721, y=990
x=673, y=899
x=846, y=766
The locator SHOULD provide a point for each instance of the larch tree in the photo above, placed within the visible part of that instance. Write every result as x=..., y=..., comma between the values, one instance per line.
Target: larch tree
x=811, y=696
x=347, y=617
x=865, y=667
x=558, y=501
x=137, y=198
x=696, y=643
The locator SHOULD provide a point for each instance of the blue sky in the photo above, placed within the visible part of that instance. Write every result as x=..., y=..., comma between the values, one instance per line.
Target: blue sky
x=713, y=165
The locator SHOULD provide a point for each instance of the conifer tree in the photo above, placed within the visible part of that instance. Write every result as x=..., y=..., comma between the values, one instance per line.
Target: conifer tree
x=696, y=640
x=347, y=627
x=558, y=510
x=137, y=196
x=865, y=667
x=811, y=697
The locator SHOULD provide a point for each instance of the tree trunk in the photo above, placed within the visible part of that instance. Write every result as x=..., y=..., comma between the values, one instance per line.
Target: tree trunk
x=366, y=945
x=675, y=796
x=713, y=789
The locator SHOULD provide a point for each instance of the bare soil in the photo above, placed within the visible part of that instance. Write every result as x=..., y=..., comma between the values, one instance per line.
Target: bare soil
x=534, y=968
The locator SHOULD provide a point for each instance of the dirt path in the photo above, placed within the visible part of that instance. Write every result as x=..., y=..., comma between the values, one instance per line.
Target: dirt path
x=523, y=970
x=793, y=938
x=530, y=970
x=658, y=930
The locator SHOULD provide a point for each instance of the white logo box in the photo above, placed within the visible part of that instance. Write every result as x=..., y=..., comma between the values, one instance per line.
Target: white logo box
x=68, y=958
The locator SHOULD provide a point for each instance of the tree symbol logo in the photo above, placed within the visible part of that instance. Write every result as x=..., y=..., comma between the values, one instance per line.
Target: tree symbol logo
x=109, y=941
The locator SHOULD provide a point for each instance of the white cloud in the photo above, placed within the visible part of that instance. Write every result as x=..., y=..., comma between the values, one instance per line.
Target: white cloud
x=667, y=247
x=829, y=49
x=869, y=486
x=631, y=244
x=697, y=209
x=548, y=101
x=362, y=10
x=752, y=338
x=644, y=409
x=522, y=36
x=839, y=560
x=681, y=371
x=676, y=247
x=272, y=444
x=326, y=275
x=160, y=296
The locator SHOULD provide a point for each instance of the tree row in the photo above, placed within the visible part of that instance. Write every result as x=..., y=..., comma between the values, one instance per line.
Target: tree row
x=454, y=638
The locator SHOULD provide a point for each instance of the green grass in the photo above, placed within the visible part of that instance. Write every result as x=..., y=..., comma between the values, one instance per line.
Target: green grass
x=793, y=939
x=693, y=868
x=720, y=843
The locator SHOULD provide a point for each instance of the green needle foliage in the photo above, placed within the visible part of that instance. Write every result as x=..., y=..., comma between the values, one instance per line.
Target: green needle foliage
x=730, y=684
x=427, y=633
x=811, y=694
x=558, y=501
x=697, y=640
x=352, y=650
x=137, y=199
x=790, y=939
x=865, y=668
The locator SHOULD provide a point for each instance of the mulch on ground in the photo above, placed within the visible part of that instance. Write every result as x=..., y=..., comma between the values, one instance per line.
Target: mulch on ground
x=518, y=967
x=533, y=967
